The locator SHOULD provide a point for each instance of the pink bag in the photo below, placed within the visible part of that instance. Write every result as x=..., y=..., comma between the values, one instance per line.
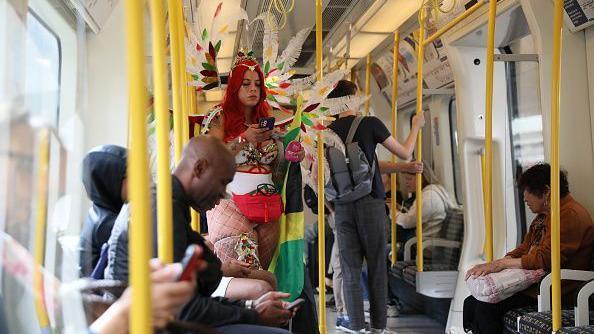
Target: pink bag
x=495, y=287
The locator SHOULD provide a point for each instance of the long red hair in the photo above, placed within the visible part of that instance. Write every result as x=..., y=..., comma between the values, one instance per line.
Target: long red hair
x=234, y=115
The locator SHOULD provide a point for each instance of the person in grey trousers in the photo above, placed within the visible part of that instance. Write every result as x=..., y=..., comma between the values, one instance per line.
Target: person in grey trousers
x=361, y=225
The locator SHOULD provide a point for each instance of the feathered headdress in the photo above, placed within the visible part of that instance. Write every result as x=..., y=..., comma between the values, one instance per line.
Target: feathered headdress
x=203, y=45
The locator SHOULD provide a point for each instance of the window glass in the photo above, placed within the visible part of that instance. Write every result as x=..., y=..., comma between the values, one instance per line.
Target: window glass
x=42, y=71
x=525, y=118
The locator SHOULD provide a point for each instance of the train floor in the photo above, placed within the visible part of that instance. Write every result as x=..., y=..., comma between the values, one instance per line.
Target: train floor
x=406, y=323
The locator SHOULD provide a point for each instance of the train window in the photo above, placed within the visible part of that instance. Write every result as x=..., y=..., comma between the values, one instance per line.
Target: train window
x=454, y=144
x=42, y=71
x=525, y=119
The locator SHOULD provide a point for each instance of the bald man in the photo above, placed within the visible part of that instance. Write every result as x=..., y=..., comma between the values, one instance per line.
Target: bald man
x=200, y=182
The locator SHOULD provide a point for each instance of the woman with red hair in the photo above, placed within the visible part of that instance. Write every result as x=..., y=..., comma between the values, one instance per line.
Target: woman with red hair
x=246, y=226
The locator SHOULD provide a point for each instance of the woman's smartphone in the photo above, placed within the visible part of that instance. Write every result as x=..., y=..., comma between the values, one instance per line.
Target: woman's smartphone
x=266, y=122
x=189, y=263
x=295, y=303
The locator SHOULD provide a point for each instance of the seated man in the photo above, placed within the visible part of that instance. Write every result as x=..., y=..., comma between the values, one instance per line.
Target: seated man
x=104, y=178
x=577, y=238
x=199, y=181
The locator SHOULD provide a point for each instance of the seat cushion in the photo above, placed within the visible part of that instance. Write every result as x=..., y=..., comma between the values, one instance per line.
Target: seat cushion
x=409, y=273
x=510, y=320
x=577, y=330
x=541, y=322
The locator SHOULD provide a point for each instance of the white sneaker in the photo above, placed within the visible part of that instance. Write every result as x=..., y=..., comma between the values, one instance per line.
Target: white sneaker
x=382, y=331
x=392, y=311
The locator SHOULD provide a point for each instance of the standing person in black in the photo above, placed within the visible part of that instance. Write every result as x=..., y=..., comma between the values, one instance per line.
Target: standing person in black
x=361, y=225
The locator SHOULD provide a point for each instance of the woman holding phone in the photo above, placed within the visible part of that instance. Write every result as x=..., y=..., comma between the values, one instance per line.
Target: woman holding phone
x=246, y=227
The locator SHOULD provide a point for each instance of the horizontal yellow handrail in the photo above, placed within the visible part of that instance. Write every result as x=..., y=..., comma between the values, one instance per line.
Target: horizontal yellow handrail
x=453, y=22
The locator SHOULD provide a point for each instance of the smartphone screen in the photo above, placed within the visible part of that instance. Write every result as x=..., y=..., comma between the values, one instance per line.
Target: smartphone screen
x=266, y=122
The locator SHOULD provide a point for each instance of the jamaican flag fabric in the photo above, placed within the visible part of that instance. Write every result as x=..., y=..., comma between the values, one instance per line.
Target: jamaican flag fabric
x=287, y=263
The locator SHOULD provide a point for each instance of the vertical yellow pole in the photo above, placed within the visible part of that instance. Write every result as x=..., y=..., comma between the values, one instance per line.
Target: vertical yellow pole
x=419, y=153
x=176, y=70
x=488, y=186
x=192, y=110
x=367, y=82
x=140, y=224
x=394, y=129
x=40, y=226
x=321, y=221
x=164, y=210
x=488, y=255
x=555, y=121
x=183, y=86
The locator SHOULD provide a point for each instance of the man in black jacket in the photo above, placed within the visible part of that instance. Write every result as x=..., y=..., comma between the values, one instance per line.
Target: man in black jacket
x=199, y=182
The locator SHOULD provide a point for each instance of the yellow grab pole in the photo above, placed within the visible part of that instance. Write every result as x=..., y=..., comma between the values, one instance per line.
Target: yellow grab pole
x=176, y=70
x=139, y=232
x=40, y=226
x=193, y=111
x=454, y=22
x=419, y=190
x=367, y=83
x=164, y=210
x=488, y=185
x=487, y=250
x=394, y=128
x=555, y=121
x=183, y=86
x=321, y=221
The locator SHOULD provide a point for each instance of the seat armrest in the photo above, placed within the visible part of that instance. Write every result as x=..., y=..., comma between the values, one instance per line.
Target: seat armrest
x=582, y=310
x=429, y=242
x=544, y=296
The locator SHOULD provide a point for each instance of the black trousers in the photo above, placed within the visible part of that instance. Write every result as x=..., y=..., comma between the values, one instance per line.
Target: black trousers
x=487, y=318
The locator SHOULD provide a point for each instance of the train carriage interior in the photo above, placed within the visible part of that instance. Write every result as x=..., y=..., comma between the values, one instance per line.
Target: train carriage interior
x=505, y=89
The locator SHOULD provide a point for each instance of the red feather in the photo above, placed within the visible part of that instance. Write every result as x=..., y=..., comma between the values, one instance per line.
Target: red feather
x=212, y=51
x=284, y=85
x=319, y=126
x=218, y=11
x=311, y=107
x=208, y=73
x=303, y=128
x=198, y=47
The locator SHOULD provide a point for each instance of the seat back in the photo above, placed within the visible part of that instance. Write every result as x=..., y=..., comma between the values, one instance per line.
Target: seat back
x=452, y=229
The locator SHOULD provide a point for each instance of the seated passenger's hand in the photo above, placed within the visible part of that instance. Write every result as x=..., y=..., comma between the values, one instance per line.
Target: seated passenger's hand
x=169, y=294
x=236, y=268
x=482, y=270
x=254, y=134
x=271, y=309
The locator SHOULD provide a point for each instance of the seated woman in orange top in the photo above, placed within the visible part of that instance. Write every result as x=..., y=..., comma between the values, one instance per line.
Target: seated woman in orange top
x=577, y=238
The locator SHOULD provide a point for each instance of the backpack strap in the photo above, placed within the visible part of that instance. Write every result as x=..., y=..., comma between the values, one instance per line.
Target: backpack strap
x=353, y=129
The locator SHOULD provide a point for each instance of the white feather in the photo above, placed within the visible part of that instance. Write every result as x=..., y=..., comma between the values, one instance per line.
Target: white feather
x=340, y=104
x=293, y=50
x=321, y=89
x=270, y=41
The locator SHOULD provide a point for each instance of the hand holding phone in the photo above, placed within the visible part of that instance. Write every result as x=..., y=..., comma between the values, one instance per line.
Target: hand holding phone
x=190, y=262
x=297, y=302
x=266, y=123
